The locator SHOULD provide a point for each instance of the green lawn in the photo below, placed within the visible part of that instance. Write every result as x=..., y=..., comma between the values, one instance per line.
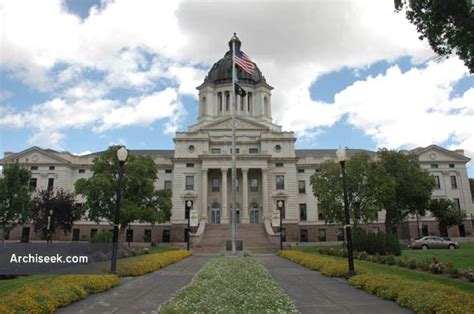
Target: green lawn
x=462, y=258
x=404, y=272
x=231, y=285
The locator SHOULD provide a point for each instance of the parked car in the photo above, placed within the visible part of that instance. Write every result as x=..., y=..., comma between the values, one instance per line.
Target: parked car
x=433, y=242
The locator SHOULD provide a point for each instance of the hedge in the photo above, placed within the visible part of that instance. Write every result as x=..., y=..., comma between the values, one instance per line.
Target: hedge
x=420, y=297
x=52, y=293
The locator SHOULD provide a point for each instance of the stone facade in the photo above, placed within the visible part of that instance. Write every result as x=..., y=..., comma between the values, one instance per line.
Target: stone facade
x=269, y=169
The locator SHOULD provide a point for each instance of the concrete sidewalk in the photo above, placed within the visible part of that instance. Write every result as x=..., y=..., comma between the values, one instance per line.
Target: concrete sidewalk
x=141, y=294
x=315, y=293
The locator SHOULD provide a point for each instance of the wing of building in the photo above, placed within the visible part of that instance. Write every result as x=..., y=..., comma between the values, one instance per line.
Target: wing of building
x=270, y=171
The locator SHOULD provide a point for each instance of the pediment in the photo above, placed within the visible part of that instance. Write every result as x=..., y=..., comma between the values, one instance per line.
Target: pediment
x=434, y=153
x=240, y=124
x=36, y=155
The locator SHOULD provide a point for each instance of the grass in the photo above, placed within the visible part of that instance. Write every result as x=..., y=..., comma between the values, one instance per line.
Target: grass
x=462, y=258
x=403, y=272
x=231, y=285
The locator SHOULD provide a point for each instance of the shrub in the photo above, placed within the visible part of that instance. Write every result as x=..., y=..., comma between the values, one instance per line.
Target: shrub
x=390, y=260
x=372, y=243
x=148, y=263
x=469, y=275
x=424, y=264
x=103, y=236
x=453, y=272
x=411, y=263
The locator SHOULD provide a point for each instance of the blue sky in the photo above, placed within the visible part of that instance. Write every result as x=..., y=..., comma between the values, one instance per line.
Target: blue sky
x=99, y=73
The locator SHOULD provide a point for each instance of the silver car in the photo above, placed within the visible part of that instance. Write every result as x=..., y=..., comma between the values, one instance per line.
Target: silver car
x=433, y=242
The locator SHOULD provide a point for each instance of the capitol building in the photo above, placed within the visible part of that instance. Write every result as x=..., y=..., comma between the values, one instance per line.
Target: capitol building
x=270, y=173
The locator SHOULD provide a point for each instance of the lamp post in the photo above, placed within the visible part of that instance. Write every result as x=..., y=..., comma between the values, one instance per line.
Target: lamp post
x=189, y=205
x=122, y=154
x=341, y=155
x=280, y=208
x=49, y=238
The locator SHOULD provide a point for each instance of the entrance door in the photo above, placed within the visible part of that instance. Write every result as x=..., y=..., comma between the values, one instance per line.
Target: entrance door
x=215, y=215
x=254, y=216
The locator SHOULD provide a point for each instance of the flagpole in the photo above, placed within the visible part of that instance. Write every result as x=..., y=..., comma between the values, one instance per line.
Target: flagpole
x=234, y=170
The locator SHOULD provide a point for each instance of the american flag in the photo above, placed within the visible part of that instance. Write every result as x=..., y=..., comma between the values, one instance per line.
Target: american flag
x=243, y=61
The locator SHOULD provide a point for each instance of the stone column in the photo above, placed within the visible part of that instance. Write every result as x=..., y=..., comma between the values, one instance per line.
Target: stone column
x=266, y=211
x=203, y=214
x=245, y=196
x=224, y=216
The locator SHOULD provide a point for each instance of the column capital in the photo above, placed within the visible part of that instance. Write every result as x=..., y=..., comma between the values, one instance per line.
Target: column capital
x=224, y=169
x=204, y=169
x=245, y=169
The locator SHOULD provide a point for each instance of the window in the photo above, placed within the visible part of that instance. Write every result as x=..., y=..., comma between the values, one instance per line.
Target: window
x=253, y=150
x=75, y=234
x=168, y=185
x=434, y=166
x=216, y=184
x=437, y=183
x=190, y=165
x=317, y=170
x=168, y=171
x=300, y=170
x=279, y=165
x=227, y=101
x=302, y=186
x=237, y=150
x=451, y=165
x=33, y=183
x=253, y=184
x=51, y=167
x=457, y=203
x=34, y=168
x=454, y=183
x=189, y=183
x=340, y=234
x=280, y=182
x=50, y=184
x=302, y=212
x=277, y=148
x=322, y=235
x=191, y=148
x=215, y=150
x=147, y=236
x=93, y=233
x=424, y=230
x=166, y=236
x=82, y=170
x=129, y=235
x=303, y=235
x=241, y=103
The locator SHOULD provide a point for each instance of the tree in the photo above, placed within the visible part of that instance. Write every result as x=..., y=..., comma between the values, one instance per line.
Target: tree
x=447, y=214
x=447, y=24
x=367, y=182
x=165, y=205
x=471, y=184
x=412, y=187
x=64, y=209
x=140, y=200
x=15, y=198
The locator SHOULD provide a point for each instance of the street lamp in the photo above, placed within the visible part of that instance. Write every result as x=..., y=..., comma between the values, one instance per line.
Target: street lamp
x=122, y=154
x=190, y=205
x=280, y=208
x=341, y=156
x=49, y=238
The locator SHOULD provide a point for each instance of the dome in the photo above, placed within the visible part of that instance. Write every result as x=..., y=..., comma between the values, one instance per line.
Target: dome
x=221, y=71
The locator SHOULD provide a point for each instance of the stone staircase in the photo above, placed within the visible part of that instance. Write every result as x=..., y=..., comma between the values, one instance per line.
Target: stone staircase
x=253, y=236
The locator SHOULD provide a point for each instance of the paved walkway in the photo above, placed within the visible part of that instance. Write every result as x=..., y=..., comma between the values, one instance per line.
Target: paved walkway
x=315, y=293
x=141, y=294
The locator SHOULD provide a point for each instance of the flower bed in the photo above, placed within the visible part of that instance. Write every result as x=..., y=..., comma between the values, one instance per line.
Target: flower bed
x=422, y=297
x=52, y=293
x=149, y=263
x=231, y=285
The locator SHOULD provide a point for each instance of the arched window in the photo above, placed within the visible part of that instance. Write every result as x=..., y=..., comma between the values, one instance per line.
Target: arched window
x=227, y=101
x=254, y=206
x=249, y=101
x=216, y=205
x=265, y=105
x=219, y=101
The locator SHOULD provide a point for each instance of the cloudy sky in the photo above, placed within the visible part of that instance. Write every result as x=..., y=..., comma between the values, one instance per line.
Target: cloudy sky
x=79, y=75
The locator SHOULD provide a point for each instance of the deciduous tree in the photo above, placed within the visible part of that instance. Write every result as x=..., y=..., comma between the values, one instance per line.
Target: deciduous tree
x=447, y=214
x=15, y=197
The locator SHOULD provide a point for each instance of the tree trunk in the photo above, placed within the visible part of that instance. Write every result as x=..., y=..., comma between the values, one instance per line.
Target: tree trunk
x=388, y=223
